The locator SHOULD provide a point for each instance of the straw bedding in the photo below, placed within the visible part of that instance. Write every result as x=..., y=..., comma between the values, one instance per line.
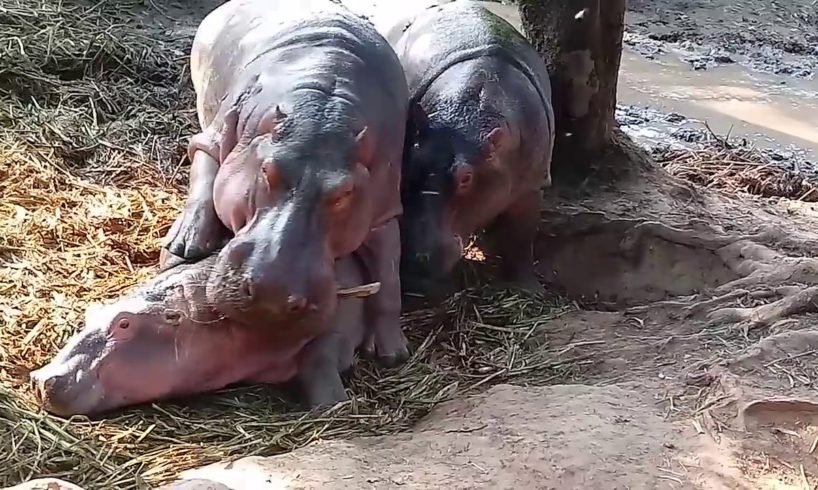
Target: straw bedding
x=95, y=109
x=717, y=163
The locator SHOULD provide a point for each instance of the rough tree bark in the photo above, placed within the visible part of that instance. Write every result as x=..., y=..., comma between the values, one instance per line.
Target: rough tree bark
x=581, y=42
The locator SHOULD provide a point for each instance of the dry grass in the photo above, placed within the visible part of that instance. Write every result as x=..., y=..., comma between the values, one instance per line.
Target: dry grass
x=66, y=242
x=718, y=164
x=95, y=107
x=103, y=85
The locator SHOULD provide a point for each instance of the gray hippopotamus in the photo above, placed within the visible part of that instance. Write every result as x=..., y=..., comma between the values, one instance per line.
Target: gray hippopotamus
x=479, y=142
x=302, y=108
x=164, y=340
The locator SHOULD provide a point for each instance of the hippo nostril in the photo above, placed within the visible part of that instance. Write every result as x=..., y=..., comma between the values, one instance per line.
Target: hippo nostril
x=247, y=288
x=296, y=304
x=34, y=384
x=47, y=386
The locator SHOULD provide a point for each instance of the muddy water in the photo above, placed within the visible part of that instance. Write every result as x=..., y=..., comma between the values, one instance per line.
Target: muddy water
x=772, y=111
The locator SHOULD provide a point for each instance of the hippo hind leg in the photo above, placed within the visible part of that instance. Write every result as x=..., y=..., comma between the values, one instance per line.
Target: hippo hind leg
x=513, y=234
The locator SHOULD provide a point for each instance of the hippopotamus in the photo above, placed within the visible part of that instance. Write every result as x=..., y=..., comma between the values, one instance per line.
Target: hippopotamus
x=302, y=107
x=164, y=340
x=479, y=142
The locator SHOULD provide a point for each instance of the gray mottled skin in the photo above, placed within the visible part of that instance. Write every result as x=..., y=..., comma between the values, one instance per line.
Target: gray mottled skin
x=164, y=340
x=479, y=143
x=302, y=109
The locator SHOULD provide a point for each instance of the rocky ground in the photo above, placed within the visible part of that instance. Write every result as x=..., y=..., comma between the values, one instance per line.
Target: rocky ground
x=774, y=36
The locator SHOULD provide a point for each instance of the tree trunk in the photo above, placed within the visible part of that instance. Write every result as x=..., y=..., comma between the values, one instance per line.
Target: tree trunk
x=581, y=42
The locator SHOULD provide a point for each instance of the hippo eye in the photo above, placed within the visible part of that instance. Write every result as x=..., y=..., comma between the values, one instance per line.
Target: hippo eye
x=342, y=199
x=124, y=324
x=172, y=316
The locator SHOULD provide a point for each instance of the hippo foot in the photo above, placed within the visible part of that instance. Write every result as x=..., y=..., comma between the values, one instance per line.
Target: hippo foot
x=319, y=375
x=168, y=261
x=325, y=394
x=390, y=354
x=197, y=233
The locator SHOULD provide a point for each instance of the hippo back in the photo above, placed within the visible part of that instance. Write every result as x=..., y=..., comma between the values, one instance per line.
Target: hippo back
x=444, y=35
x=241, y=32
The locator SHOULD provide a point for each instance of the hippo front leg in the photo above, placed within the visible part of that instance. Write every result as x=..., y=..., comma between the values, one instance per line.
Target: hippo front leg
x=319, y=367
x=198, y=231
x=513, y=235
x=380, y=254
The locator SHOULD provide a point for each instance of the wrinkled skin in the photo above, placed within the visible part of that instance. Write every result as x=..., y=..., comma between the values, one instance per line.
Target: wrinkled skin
x=164, y=341
x=479, y=143
x=302, y=107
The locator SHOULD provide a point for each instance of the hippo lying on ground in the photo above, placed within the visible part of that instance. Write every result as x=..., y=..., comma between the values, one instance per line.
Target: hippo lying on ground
x=479, y=143
x=163, y=340
x=302, y=106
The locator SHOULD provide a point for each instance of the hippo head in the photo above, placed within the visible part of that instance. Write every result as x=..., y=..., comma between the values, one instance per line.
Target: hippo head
x=134, y=351
x=308, y=202
x=448, y=185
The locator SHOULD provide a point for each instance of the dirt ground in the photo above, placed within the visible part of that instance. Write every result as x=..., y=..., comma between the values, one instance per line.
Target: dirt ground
x=692, y=336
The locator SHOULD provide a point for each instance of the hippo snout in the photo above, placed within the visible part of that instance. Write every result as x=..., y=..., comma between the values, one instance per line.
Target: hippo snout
x=253, y=281
x=291, y=302
x=53, y=392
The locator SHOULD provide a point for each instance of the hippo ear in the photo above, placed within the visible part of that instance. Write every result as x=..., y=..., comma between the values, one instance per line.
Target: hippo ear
x=495, y=141
x=230, y=134
x=417, y=117
x=463, y=178
x=365, y=146
x=271, y=121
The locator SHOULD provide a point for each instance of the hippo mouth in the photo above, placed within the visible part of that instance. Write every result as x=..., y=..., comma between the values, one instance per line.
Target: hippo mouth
x=75, y=395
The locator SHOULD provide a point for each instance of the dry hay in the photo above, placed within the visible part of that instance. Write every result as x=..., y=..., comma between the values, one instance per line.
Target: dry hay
x=718, y=164
x=103, y=85
x=90, y=107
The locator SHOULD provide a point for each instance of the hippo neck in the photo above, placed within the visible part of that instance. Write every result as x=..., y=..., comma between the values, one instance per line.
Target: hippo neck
x=494, y=50
x=462, y=108
x=182, y=289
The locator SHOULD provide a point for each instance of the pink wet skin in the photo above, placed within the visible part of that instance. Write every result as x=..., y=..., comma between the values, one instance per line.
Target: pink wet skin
x=297, y=163
x=162, y=341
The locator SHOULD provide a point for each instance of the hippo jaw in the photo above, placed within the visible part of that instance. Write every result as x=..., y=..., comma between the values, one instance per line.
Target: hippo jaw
x=432, y=241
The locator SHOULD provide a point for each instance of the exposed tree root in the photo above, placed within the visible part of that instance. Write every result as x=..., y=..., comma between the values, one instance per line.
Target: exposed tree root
x=803, y=301
x=764, y=274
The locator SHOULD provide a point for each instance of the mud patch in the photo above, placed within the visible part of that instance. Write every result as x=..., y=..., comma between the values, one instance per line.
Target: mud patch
x=613, y=263
x=765, y=36
x=510, y=437
x=760, y=405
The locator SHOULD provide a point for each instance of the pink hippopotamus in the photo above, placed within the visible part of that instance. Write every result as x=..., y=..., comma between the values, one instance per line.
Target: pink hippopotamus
x=165, y=340
x=302, y=107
